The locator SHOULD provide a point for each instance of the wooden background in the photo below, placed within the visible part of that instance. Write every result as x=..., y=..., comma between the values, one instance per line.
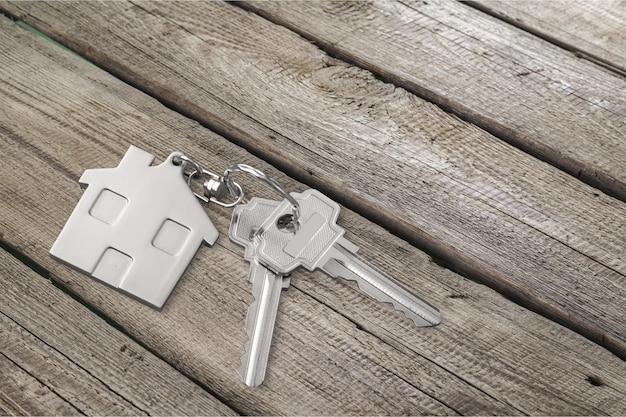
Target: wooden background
x=478, y=150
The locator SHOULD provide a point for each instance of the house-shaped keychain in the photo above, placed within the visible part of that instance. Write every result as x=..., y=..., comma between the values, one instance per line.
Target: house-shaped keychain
x=136, y=227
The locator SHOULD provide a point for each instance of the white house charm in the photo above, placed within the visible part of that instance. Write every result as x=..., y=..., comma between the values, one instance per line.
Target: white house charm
x=136, y=227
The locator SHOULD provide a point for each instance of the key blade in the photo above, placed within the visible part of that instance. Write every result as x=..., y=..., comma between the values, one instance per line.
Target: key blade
x=260, y=319
x=381, y=287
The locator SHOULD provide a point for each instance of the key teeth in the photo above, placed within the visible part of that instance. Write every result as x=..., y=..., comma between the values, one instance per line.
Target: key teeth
x=250, y=323
x=419, y=320
x=423, y=320
x=242, y=371
x=380, y=287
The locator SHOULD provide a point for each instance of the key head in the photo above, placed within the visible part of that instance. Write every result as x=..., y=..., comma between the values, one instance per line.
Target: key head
x=247, y=220
x=283, y=250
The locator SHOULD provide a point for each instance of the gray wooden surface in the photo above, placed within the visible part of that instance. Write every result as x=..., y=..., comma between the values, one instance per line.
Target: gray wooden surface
x=532, y=232
x=522, y=88
x=465, y=196
x=593, y=29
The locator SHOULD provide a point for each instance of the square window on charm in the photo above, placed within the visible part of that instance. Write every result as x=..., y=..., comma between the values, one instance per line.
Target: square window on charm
x=171, y=237
x=108, y=207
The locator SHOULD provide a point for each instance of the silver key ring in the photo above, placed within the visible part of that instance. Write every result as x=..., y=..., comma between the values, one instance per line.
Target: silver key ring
x=258, y=174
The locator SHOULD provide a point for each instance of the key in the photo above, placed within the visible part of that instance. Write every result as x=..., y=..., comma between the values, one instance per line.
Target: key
x=318, y=243
x=266, y=289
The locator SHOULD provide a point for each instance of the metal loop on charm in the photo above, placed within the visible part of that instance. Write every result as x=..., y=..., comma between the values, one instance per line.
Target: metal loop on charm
x=183, y=159
x=260, y=175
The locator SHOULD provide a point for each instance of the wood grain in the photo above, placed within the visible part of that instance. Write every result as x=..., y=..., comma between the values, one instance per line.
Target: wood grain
x=58, y=357
x=22, y=394
x=484, y=208
x=593, y=29
x=335, y=351
x=527, y=92
x=42, y=377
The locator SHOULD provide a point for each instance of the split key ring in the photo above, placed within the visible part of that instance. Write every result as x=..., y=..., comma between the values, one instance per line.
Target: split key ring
x=260, y=175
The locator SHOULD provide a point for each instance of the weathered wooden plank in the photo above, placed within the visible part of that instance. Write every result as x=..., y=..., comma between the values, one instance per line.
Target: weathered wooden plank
x=335, y=351
x=59, y=358
x=42, y=379
x=593, y=29
x=483, y=207
x=21, y=394
x=532, y=94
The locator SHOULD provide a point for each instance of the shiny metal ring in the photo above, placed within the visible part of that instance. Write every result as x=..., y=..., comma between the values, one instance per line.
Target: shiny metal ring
x=183, y=159
x=202, y=173
x=258, y=174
